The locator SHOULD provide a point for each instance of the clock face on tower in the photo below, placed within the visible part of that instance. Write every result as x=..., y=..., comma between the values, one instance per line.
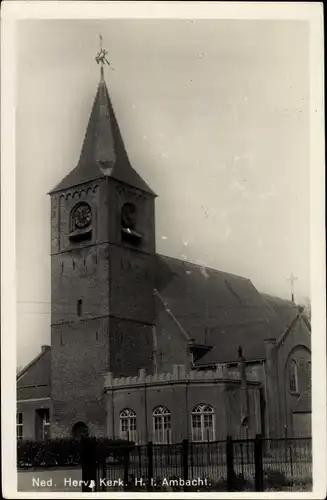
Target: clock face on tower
x=81, y=216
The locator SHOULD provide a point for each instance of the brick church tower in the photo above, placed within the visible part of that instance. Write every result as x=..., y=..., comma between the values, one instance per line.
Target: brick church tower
x=102, y=251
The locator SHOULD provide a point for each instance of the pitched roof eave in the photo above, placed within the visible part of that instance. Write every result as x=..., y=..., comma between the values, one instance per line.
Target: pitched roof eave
x=23, y=372
x=169, y=311
x=286, y=332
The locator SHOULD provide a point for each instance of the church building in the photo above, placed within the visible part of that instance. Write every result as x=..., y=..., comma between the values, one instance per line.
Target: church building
x=148, y=347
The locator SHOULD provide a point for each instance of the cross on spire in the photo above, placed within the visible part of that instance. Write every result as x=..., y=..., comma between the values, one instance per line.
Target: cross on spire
x=101, y=57
x=292, y=279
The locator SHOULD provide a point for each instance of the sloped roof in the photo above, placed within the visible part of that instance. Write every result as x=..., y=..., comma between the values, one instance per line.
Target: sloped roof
x=216, y=308
x=103, y=152
x=211, y=308
x=35, y=379
x=286, y=310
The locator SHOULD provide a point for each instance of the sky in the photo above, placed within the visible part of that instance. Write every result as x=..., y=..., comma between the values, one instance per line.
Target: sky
x=215, y=118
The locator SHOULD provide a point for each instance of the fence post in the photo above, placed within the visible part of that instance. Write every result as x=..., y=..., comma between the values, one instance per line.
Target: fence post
x=126, y=467
x=89, y=465
x=185, y=459
x=230, y=464
x=150, y=466
x=258, y=463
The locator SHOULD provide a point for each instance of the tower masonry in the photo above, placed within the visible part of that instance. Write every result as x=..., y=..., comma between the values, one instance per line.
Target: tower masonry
x=102, y=263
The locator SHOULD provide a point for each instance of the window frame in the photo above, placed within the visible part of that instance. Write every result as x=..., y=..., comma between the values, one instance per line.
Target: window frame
x=199, y=412
x=161, y=433
x=127, y=415
x=46, y=424
x=19, y=426
x=293, y=377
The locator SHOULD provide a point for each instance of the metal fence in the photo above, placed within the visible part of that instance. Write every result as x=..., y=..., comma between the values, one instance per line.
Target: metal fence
x=256, y=464
x=232, y=465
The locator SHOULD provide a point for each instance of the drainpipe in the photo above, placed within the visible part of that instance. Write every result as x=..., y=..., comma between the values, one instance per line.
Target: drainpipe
x=271, y=384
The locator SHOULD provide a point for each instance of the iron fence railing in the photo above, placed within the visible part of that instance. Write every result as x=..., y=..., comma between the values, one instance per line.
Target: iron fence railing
x=232, y=465
x=255, y=464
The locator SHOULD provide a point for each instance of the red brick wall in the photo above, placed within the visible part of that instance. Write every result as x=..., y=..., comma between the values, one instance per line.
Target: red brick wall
x=83, y=274
x=131, y=284
x=79, y=358
x=131, y=347
x=114, y=330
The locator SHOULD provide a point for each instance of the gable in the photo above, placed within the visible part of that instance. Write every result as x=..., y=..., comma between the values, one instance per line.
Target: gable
x=298, y=333
x=34, y=380
x=286, y=310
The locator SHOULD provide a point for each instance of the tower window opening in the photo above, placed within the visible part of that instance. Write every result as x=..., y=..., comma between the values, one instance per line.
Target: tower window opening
x=129, y=223
x=79, y=307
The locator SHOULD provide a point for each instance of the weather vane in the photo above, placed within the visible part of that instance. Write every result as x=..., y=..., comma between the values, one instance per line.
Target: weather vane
x=291, y=279
x=101, y=56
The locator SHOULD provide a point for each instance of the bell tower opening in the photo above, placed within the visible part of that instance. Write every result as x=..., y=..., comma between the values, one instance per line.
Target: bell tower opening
x=128, y=222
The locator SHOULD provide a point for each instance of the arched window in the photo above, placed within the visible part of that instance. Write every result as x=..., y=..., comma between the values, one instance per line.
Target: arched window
x=202, y=423
x=80, y=430
x=293, y=376
x=161, y=425
x=128, y=425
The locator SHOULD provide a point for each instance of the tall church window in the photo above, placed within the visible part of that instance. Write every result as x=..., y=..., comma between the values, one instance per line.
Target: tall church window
x=19, y=426
x=161, y=425
x=128, y=425
x=202, y=423
x=293, y=374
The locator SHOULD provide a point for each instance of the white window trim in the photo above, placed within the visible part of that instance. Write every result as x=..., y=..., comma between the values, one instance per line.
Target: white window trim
x=45, y=423
x=128, y=415
x=163, y=434
x=20, y=426
x=204, y=438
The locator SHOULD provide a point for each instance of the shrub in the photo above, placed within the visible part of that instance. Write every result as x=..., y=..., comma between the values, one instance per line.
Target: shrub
x=275, y=479
x=67, y=452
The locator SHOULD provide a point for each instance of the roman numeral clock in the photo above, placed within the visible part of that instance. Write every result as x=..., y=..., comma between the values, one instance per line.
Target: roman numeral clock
x=81, y=222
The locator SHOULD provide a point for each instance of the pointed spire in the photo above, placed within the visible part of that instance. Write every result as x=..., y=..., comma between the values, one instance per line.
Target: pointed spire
x=103, y=151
